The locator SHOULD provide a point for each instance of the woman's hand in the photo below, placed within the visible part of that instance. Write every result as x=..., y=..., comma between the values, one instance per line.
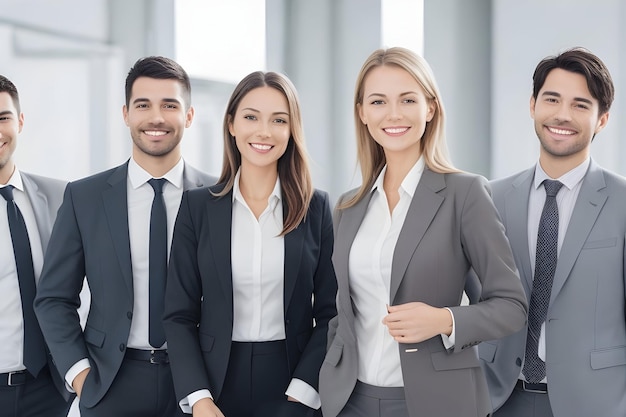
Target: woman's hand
x=206, y=408
x=416, y=322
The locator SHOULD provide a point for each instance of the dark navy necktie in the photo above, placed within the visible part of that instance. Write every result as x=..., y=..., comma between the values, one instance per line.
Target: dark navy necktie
x=34, y=345
x=157, y=263
x=545, y=265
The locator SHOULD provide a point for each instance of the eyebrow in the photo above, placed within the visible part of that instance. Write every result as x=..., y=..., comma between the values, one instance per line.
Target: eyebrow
x=5, y=112
x=258, y=111
x=166, y=100
x=555, y=94
x=384, y=95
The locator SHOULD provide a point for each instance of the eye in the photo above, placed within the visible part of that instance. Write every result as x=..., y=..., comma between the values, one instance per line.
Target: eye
x=377, y=102
x=582, y=106
x=551, y=100
x=281, y=121
x=4, y=118
x=409, y=101
x=170, y=106
x=249, y=117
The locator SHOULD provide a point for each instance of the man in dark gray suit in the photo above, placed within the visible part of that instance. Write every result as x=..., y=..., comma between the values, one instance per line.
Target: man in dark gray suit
x=570, y=359
x=27, y=377
x=106, y=231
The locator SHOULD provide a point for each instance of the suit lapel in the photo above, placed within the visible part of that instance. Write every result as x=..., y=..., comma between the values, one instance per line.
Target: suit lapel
x=424, y=205
x=220, y=217
x=191, y=178
x=293, y=243
x=115, y=200
x=516, y=223
x=39, y=203
x=586, y=210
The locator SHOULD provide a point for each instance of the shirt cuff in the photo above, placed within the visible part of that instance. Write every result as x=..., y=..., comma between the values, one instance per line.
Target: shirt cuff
x=76, y=369
x=186, y=404
x=448, y=341
x=304, y=393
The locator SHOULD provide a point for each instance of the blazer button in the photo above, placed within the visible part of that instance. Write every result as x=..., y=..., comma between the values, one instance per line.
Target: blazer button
x=518, y=362
x=122, y=347
x=129, y=315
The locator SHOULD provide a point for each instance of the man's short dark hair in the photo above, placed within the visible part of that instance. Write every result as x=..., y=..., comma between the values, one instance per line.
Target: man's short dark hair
x=6, y=86
x=158, y=67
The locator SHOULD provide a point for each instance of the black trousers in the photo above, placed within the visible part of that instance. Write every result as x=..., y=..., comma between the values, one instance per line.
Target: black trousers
x=256, y=381
x=140, y=389
x=35, y=397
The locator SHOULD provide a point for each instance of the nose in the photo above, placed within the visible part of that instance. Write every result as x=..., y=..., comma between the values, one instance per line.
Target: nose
x=156, y=116
x=564, y=113
x=264, y=131
x=394, y=112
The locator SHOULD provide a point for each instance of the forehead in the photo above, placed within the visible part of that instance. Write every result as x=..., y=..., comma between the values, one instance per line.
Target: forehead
x=389, y=78
x=155, y=89
x=567, y=84
x=6, y=103
x=265, y=99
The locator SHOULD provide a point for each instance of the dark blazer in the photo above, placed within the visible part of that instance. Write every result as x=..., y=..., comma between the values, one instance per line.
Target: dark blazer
x=585, y=329
x=90, y=239
x=451, y=225
x=199, y=295
x=45, y=196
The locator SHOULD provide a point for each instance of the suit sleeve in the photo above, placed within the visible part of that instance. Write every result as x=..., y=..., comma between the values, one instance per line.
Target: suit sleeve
x=183, y=307
x=59, y=287
x=503, y=306
x=325, y=291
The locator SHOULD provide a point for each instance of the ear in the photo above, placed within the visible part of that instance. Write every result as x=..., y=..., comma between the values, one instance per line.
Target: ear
x=432, y=107
x=359, y=107
x=230, y=126
x=532, y=107
x=189, y=117
x=602, y=121
x=125, y=114
x=20, y=123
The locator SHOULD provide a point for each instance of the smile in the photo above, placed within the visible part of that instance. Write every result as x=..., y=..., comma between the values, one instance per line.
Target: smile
x=261, y=147
x=395, y=130
x=155, y=132
x=558, y=131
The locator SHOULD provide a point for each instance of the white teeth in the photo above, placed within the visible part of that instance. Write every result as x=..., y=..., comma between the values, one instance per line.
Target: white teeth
x=396, y=129
x=261, y=147
x=155, y=132
x=560, y=131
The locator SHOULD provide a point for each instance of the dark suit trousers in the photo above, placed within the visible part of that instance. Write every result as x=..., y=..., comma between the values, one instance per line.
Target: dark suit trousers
x=256, y=381
x=36, y=397
x=525, y=404
x=370, y=401
x=140, y=389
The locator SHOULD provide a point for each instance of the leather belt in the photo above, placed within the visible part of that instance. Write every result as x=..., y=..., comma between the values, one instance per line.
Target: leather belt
x=538, y=388
x=12, y=379
x=156, y=357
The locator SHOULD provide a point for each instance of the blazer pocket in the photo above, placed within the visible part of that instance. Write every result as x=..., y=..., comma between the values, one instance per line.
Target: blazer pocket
x=605, y=358
x=443, y=361
x=333, y=356
x=206, y=342
x=603, y=243
x=94, y=337
x=487, y=351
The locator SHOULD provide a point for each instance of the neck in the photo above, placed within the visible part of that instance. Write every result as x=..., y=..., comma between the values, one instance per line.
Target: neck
x=557, y=166
x=6, y=171
x=257, y=184
x=156, y=166
x=398, y=166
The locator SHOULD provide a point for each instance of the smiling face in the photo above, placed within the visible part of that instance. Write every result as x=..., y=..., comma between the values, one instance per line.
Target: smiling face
x=566, y=119
x=11, y=124
x=261, y=128
x=395, y=109
x=157, y=118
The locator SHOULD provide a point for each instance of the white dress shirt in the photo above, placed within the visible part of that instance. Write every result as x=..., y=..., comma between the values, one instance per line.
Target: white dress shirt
x=369, y=268
x=258, y=269
x=565, y=200
x=140, y=195
x=11, y=318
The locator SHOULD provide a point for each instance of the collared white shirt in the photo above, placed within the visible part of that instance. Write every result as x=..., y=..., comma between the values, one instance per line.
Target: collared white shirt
x=140, y=195
x=566, y=200
x=369, y=268
x=11, y=318
x=258, y=273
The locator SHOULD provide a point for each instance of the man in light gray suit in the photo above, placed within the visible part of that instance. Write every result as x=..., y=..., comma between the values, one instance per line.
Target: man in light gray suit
x=29, y=384
x=570, y=360
x=119, y=365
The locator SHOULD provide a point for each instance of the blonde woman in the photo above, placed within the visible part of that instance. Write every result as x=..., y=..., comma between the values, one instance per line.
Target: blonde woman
x=405, y=239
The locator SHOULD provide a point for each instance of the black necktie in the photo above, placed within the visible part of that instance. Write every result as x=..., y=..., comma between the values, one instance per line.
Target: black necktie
x=545, y=265
x=34, y=346
x=157, y=263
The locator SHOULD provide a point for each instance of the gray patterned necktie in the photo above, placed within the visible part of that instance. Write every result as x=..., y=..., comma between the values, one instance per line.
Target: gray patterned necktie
x=545, y=265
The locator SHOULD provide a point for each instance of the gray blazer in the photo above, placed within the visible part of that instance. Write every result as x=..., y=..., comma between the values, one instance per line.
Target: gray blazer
x=586, y=323
x=451, y=225
x=91, y=239
x=45, y=196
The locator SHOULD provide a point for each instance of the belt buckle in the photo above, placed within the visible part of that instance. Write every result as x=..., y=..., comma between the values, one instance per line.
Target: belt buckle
x=10, y=378
x=158, y=360
x=534, y=391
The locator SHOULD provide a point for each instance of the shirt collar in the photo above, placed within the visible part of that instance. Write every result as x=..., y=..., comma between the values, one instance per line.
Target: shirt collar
x=139, y=176
x=410, y=181
x=569, y=179
x=16, y=180
x=274, y=198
